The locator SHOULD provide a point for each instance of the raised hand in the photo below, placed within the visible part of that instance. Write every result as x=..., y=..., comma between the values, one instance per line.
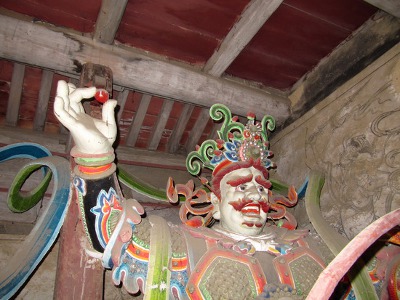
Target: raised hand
x=91, y=135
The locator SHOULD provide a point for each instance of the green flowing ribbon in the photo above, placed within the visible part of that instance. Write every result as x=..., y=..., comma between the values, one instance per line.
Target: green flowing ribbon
x=358, y=274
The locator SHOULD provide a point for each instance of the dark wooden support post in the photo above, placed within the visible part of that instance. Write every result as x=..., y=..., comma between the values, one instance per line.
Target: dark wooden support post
x=78, y=275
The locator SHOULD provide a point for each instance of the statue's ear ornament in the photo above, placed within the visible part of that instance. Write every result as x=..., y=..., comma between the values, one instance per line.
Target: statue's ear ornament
x=236, y=143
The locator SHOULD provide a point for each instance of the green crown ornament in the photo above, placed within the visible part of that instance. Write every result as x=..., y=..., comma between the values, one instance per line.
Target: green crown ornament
x=237, y=142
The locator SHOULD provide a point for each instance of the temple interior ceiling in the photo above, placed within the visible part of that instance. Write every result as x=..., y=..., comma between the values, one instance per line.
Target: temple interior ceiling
x=170, y=61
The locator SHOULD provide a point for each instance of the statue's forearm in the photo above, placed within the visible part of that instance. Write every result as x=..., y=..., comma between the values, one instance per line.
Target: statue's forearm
x=109, y=220
x=98, y=193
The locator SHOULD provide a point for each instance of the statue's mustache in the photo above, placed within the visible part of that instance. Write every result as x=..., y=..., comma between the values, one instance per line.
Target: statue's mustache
x=241, y=203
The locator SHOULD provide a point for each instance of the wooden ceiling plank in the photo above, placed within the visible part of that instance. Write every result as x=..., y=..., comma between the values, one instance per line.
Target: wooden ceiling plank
x=121, y=99
x=160, y=125
x=390, y=6
x=250, y=22
x=132, y=69
x=176, y=136
x=108, y=20
x=368, y=43
x=43, y=102
x=14, y=99
x=137, y=122
x=198, y=129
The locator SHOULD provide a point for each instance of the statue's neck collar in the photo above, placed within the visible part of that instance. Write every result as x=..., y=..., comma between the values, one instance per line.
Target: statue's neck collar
x=260, y=242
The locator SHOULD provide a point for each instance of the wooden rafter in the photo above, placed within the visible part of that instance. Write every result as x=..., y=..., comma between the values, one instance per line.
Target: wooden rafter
x=134, y=130
x=14, y=99
x=121, y=99
x=173, y=143
x=43, y=102
x=197, y=130
x=250, y=22
x=160, y=125
x=107, y=23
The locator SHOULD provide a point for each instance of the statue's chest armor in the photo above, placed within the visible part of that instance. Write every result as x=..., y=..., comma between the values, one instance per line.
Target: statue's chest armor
x=225, y=273
x=220, y=270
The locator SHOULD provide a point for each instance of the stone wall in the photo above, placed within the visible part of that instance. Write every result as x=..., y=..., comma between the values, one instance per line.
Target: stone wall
x=353, y=137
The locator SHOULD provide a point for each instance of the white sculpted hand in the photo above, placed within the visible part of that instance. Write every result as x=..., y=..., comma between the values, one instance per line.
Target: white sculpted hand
x=91, y=136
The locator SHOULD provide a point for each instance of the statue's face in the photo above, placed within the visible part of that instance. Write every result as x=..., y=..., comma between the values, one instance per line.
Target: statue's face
x=244, y=201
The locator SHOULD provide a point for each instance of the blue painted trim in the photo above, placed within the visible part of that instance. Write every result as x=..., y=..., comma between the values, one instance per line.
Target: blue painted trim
x=23, y=150
x=301, y=191
x=32, y=251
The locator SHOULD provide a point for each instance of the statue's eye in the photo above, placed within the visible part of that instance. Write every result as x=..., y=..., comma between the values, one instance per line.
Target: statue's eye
x=241, y=188
x=261, y=189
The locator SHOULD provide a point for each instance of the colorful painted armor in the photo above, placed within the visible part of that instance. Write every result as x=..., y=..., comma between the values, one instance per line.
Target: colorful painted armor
x=254, y=251
x=191, y=263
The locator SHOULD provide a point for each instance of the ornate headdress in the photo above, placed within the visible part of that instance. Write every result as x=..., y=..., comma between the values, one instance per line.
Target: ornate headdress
x=237, y=142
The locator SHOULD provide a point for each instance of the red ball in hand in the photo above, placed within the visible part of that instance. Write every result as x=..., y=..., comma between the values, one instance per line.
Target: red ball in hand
x=101, y=95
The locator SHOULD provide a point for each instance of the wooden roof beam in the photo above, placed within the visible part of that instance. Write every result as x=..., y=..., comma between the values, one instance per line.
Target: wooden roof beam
x=108, y=21
x=252, y=19
x=34, y=44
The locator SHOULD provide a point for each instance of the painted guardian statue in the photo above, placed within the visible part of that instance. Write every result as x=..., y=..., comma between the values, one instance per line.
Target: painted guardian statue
x=236, y=240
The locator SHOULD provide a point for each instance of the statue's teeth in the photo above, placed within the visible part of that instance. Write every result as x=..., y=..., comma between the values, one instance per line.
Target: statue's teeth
x=251, y=209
